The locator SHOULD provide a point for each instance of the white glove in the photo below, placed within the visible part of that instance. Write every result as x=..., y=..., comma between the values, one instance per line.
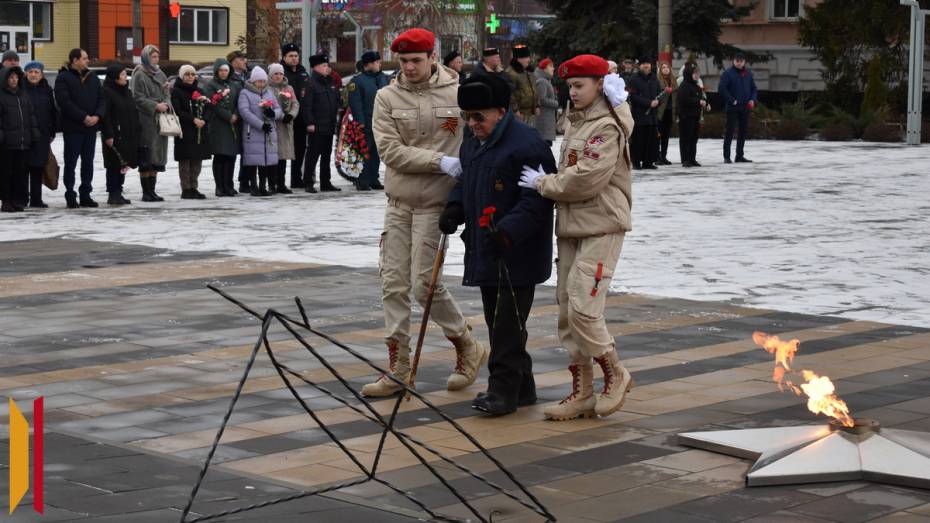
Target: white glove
x=615, y=88
x=451, y=166
x=530, y=177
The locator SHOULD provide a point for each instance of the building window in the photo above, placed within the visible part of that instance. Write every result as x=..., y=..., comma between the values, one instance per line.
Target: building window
x=786, y=9
x=14, y=14
x=197, y=25
x=41, y=21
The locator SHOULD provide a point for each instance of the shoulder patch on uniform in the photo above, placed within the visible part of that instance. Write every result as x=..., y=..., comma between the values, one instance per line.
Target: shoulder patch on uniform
x=351, y=87
x=596, y=140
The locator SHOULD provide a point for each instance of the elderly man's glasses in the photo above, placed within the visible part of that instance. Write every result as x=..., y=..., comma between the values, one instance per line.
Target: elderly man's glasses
x=477, y=116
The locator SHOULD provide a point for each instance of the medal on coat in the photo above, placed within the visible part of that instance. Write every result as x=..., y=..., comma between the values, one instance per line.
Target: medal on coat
x=451, y=125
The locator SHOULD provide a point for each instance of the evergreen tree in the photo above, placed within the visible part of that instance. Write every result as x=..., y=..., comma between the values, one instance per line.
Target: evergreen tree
x=629, y=28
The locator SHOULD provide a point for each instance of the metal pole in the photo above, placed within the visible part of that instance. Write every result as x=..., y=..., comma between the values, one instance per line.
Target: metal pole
x=137, y=42
x=915, y=77
x=665, y=31
x=308, y=13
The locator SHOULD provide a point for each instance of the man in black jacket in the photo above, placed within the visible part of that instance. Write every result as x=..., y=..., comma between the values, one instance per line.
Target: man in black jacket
x=80, y=100
x=298, y=79
x=644, y=91
x=318, y=108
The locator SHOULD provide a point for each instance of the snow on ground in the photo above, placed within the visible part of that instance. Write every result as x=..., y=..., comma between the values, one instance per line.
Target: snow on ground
x=814, y=227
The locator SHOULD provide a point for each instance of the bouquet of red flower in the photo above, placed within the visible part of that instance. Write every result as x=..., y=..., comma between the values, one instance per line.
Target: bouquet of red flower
x=285, y=98
x=198, y=101
x=352, y=149
x=222, y=99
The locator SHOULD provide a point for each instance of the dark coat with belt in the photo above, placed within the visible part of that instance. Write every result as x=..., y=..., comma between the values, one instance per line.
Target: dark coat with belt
x=43, y=104
x=321, y=103
x=78, y=95
x=191, y=145
x=122, y=124
x=18, y=127
x=490, y=176
x=644, y=88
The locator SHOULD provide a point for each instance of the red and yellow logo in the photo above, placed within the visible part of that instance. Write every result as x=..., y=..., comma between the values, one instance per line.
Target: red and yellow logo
x=19, y=456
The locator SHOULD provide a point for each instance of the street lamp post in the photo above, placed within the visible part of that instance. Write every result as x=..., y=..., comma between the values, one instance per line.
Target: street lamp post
x=915, y=76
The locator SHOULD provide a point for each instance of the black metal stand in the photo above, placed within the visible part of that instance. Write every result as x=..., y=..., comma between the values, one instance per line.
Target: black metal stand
x=364, y=409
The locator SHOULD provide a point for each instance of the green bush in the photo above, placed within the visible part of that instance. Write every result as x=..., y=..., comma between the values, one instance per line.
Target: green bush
x=837, y=132
x=880, y=131
x=714, y=126
x=791, y=129
x=876, y=90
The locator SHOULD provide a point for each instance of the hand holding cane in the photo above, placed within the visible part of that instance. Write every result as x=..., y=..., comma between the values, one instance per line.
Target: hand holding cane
x=437, y=268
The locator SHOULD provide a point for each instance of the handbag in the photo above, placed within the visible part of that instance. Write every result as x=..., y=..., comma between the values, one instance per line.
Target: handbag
x=52, y=170
x=169, y=124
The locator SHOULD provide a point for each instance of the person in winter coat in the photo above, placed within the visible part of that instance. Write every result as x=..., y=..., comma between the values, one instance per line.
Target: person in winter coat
x=223, y=129
x=299, y=79
x=738, y=89
x=240, y=75
x=259, y=110
x=151, y=92
x=644, y=91
x=43, y=103
x=453, y=60
x=665, y=112
x=419, y=132
x=691, y=103
x=321, y=105
x=284, y=128
x=362, y=93
x=121, y=132
x=506, y=228
x=491, y=65
x=80, y=99
x=18, y=131
x=547, y=99
x=593, y=193
x=193, y=146
x=523, y=99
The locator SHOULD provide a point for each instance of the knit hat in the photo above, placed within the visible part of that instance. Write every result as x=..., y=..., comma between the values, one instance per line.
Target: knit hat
x=318, y=59
x=275, y=68
x=10, y=55
x=258, y=74
x=186, y=69
x=483, y=92
x=34, y=65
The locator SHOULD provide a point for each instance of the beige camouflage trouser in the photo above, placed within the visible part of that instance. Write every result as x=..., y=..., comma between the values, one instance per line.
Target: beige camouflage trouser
x=408, y=249
x=586, y=267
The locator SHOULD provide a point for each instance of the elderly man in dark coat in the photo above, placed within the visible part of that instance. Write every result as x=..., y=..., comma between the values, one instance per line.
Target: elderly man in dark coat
x=644, y=100
x=508, y=233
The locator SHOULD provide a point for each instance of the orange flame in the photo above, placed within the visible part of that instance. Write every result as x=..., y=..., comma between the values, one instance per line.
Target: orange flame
x=820, y=391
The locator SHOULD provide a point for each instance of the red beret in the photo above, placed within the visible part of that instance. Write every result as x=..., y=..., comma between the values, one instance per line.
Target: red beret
x=544, y=63
x=414, y=41
x=584, y=65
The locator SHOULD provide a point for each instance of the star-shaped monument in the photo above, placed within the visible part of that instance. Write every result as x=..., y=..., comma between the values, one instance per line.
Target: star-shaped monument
x=820, y=453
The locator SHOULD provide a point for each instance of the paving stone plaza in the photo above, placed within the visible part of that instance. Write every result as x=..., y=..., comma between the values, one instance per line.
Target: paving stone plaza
x=137, y=361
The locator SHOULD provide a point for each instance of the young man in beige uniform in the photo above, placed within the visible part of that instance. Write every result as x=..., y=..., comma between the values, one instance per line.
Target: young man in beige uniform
x=418, y=133
x=593, y=194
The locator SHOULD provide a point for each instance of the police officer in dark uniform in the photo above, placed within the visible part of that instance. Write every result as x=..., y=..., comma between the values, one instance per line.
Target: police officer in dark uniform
x=362, y=91
x=318, y=109
x=298, y=79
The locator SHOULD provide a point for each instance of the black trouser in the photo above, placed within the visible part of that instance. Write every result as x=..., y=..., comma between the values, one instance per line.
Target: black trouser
x=735, y=118
x=83, y=146
x=280, y=181
x=115, y=180
x=243, y=173
x=687, y=138
x=14, y=176
x=224, y=168
x=300, y=149
x=510, y=365
x=643, y=144
x=36, y=175
x=665, y=131
x=320, y=150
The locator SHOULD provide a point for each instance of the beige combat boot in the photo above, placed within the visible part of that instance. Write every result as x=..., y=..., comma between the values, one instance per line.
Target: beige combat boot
x=399, y=365
x=470, y=355
x=617, y=383
x=581, y=402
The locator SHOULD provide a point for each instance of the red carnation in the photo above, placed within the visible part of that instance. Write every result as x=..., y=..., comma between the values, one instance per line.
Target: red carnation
x=484, y=221
x=195, y=96
x=489, y=211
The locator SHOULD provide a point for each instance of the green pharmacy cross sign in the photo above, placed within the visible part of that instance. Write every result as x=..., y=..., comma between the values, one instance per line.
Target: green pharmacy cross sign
x=493, y=23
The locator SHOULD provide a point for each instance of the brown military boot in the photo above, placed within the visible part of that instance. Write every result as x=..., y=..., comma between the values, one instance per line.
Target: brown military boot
x=470, y=355
x=581, y=402
x=399, y=365
x=617, y=383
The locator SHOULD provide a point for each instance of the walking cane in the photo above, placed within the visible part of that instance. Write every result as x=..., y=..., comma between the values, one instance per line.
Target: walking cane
x=437, y=267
